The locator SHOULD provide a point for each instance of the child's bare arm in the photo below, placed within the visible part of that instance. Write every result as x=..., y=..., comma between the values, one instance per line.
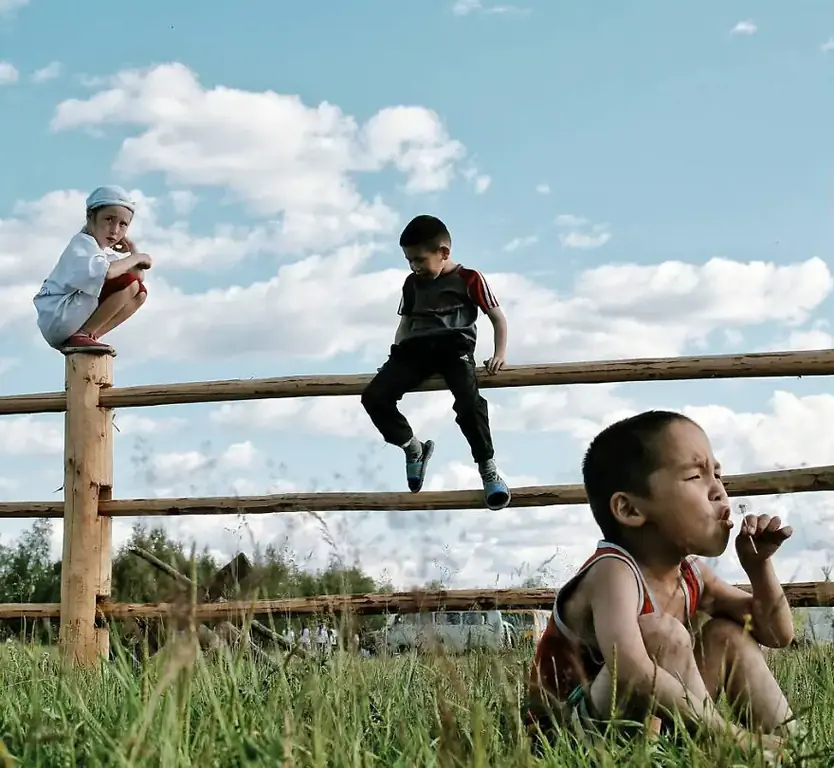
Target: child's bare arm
x=121, y=267
x=767, y=606
x=615, y=602
x=767, y=609
x=499, y=325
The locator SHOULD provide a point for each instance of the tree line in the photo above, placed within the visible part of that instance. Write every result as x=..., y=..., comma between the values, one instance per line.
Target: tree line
x=29, y=574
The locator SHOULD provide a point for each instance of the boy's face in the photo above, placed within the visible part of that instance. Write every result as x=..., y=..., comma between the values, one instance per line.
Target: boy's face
x=108, y=225
x=426, y=263
x=687, y=502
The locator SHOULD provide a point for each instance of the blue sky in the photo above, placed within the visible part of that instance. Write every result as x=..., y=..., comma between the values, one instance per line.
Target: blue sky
x=634, y=179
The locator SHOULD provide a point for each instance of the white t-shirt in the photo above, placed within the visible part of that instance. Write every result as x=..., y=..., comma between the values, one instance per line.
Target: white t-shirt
x=69, y=295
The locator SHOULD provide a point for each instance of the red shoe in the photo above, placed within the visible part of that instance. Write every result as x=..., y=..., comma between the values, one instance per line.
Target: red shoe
x=83, y=342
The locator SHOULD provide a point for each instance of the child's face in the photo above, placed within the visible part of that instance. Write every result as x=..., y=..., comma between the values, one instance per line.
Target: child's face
x=688, y=504
x=108, y=225
x=426, y=263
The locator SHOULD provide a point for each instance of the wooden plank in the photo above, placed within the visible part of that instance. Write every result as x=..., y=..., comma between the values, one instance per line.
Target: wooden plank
x=754, y=365
x=85, y=564
x=102, y=555
x=800, y=595
x=44, y=402
x=757, y=365
x=774, y=482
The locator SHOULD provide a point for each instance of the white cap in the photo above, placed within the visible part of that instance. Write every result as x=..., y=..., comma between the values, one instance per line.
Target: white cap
x=110, y=194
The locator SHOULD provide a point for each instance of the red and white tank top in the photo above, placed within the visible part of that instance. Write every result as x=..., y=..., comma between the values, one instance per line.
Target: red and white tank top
x=563, y=660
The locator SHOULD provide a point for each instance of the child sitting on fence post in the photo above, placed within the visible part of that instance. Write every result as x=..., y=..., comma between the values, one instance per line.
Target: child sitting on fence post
x=98, y=281
x=437, y=334
x=621, y=627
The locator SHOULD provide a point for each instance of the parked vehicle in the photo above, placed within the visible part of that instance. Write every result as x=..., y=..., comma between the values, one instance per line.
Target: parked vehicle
x=526, y=624
x=453, y=631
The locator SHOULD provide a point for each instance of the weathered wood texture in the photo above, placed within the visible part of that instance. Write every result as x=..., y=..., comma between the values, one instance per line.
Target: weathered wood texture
x=799, y=594
x=88, y=475
x=805, y=479
x=756, y=365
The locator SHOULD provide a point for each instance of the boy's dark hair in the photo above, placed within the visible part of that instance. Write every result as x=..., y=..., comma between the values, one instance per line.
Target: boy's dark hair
x=620, y=459
x=425, y=231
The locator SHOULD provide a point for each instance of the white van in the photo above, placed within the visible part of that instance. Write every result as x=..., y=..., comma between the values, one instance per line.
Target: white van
x=527, y=625
x=453, y=631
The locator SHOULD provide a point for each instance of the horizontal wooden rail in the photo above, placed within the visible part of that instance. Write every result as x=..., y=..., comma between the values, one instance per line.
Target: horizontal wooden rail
x=755, y=365
x=800, y=595
x=802, y=480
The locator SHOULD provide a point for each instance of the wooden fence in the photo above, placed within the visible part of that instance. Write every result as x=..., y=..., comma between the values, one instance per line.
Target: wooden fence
x=88, y=507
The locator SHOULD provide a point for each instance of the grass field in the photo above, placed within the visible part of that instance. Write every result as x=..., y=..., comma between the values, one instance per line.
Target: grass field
x=189, y=710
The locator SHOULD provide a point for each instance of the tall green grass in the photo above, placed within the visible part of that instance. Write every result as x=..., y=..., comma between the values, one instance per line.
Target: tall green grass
x=190, y=709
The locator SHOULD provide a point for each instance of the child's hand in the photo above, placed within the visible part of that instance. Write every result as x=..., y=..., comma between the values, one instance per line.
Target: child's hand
x=774, y=750
x=759, y=537
x=125, y=245
x=494, y=364
x=772, y=747
x=143, y=261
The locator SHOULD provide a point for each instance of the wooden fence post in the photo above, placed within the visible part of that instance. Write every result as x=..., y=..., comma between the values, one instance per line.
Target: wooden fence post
x=88, y=477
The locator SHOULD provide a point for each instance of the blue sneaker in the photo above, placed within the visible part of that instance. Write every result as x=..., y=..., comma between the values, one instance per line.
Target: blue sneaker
x=415, y=470
x=496, y=493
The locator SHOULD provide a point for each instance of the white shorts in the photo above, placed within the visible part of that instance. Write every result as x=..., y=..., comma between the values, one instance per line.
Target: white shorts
x=62, y=315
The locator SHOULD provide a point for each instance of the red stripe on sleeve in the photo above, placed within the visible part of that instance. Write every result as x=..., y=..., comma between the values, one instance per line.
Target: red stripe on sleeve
x=479, y=290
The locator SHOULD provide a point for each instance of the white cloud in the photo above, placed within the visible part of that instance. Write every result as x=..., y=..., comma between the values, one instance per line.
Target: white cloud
x=240, y=455
x=569, y=220
x=338, y=416
x=182, y=201
x=32, y=436
x=270, y=151
x=174, y=471
x=580, y=233
x=737, y=293
x=134, y=424
x=828, y=45
x=543, y=189
x=744, y=28
x=7, y=6
x=816, y=337
x=794, y=432
x=585, y=240
x=319, y=307
x=521, y=242
x=49, y=72
x=465, y=7
x=480, y=181
x=8, y=73
x=576, y=410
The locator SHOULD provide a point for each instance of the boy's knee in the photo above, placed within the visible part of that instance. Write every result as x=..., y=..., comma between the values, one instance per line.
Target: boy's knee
x=665, y=638
x=467, y=403
x=725, y=633
x=373, y=396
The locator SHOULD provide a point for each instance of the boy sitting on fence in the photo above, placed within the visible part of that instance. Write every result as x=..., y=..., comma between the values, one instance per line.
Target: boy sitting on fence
x=437, y=334
x=97, y=282
x=621, y=636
